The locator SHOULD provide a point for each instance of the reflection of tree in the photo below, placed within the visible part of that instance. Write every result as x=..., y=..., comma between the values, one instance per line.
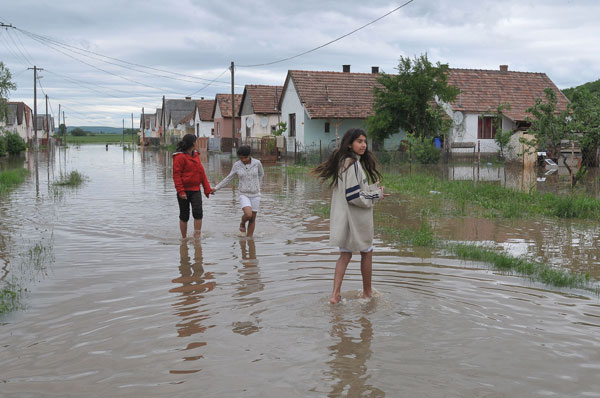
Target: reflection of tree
x=249, y=283
x=350, y=356
x=194, y=283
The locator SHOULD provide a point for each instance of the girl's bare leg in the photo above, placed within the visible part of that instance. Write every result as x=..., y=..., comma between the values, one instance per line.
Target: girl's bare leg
x=197, y=228
x=366, y=267
x=251, y=224
x=245, y=217
x=183, y=228
x=340, y=270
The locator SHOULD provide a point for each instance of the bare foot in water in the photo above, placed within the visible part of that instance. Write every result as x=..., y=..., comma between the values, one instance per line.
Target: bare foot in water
x=367, y=294
x=335, y=299
x=242, y=227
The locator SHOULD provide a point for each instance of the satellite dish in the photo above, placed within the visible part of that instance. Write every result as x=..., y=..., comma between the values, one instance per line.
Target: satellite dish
x=264, y=121
x=457, y=117
x=191, y=122
x=249, y=122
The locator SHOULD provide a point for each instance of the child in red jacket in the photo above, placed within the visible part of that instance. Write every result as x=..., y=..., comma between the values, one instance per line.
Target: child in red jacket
x=188, y=174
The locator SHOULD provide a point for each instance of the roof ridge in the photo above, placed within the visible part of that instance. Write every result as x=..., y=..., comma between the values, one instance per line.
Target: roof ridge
x=497, y=70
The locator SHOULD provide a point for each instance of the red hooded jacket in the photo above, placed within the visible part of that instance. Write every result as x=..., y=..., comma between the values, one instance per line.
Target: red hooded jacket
x=188, y=173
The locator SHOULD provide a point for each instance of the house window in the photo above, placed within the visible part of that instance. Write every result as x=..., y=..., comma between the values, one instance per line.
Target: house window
x=486, y=128
x=292, y=125
x=273, y=129
x=327, y=127
x=218, y=129
x=212, y=131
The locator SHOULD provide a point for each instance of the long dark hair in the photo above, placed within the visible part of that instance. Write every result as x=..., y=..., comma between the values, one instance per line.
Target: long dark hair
x=186, y=142
x=331, y=168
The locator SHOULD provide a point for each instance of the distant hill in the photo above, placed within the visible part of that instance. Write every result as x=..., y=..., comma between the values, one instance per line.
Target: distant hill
x=592, y=87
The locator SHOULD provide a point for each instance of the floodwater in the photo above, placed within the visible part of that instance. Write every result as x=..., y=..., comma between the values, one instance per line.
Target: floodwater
x=119, y=306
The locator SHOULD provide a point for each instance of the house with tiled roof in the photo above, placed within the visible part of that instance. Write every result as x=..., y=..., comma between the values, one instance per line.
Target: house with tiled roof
x=18, y=119
x=259, y=110
x=222, y=114
x=203, y=120
x=319, y=106
x=174, y=111
x=44, y=126
x=481, y=92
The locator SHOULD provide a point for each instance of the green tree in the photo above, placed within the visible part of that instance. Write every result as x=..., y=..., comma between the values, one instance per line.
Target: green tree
x=14, y=143
x=78, y=132
x=281, y=128
x=548, y=125
x=62, y=130
x=586, y=122
x=407, y=100
x=6, y=85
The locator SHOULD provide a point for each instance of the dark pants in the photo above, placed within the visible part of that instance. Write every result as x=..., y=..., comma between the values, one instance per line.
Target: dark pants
x=194, y=198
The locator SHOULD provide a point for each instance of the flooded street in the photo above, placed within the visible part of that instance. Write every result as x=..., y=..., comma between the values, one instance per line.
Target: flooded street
x=119, y=306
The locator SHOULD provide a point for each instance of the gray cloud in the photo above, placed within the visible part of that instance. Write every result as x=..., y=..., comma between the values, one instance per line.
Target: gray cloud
x=200, y=38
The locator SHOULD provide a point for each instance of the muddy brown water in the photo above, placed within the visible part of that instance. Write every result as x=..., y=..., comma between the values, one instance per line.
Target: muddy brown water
x=119, y=306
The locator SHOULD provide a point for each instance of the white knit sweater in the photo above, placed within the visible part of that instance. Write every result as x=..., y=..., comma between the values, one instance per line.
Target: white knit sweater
x=351, y=218
x=249, y=176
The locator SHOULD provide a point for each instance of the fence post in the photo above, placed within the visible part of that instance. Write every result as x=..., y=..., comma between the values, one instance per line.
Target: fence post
x=478, y=152
x=320, y=154
x=295, y=149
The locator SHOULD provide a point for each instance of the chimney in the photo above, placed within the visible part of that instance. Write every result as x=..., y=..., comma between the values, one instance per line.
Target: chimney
x=346, y=68
x=201, y=98
x=188, y=98
x=503, y=68
x=374, y=69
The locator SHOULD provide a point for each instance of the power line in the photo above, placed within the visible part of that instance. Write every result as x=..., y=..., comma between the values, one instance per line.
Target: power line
x=114, y=59
x=329, y=42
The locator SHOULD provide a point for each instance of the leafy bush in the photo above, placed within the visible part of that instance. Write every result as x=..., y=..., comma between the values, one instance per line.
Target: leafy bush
x=425, y=151
x=14, y=143
x=2, y=146
x=78, y=132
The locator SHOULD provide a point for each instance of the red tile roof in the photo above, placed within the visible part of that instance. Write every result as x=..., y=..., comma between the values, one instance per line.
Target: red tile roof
x=339, y=95
x=224, y=103
x=205, y=108
x=482, y=90
x=264, y=99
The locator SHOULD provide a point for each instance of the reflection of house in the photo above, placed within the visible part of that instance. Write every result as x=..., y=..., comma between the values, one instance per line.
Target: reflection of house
x=222, y=115
x=173, y=113
x=44, y=126
x=203, y=119
x=259, y=110
x=482, y=91
x=18, y=119
x=320, y=106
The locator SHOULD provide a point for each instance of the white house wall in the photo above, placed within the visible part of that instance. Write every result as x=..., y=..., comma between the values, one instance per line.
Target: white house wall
x=257, y=130
x=291, y=104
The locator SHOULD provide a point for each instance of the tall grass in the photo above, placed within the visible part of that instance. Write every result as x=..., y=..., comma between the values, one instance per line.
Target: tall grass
x=492, y=200
x=72, y=179
x=10, y=179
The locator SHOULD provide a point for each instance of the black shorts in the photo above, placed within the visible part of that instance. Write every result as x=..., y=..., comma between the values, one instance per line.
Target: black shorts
x=194, y=198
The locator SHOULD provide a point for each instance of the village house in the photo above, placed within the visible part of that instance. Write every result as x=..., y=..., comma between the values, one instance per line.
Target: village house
x=44, y=127
x=481, y=92
x=259, y=110
x=172, y=115
x=18, y=119
x=203, y=119
x=222, y=114
x=319, y=107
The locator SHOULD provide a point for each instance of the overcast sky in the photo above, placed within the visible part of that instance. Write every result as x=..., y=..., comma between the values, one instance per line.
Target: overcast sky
x=189, y=43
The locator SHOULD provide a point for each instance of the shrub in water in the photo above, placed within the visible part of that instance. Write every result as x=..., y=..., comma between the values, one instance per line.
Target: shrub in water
x=14, y=143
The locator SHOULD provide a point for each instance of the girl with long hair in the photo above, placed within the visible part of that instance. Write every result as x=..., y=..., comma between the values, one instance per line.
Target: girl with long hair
x=188, y=174
x=353, y=175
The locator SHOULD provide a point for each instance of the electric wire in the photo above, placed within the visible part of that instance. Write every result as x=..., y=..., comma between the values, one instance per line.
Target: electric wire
x=329, y=42
x=19, y=48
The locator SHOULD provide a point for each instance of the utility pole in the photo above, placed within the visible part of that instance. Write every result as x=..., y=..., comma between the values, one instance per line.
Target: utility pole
x=65, y=123
x=35, y=69
x=123, y=137
x=233, y=107
x=143, y=128
x=59, y=120
x=47, y=120
x=132, y=127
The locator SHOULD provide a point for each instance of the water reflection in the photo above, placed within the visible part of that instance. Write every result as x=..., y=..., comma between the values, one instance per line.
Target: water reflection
x=194, y=284
x=350, y=355
x=249, y=283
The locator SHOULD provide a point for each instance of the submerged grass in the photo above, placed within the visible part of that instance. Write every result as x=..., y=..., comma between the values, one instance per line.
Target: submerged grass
x=10, y=179
x=72, y=179
x=492, y=200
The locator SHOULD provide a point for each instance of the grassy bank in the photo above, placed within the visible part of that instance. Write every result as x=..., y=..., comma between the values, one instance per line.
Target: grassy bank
x=10, y=179
x=499, y=260
x=100, y=139
x=72, y=179
x=492, y=200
